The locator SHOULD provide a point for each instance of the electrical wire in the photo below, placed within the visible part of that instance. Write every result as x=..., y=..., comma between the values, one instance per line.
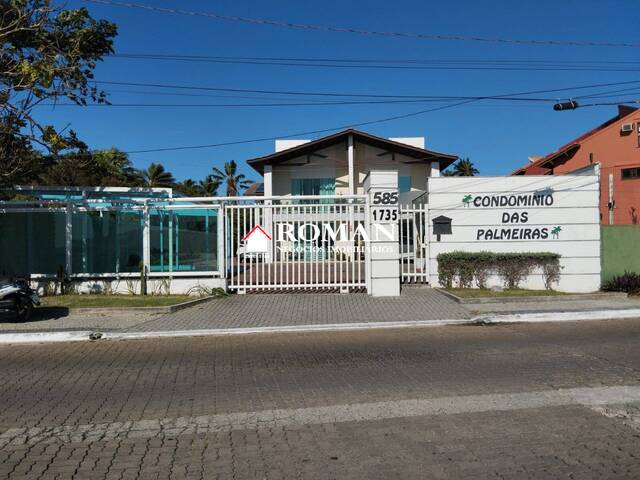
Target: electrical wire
x=350, y=30
x=359, y=124
x=445, y=66
x=383, y=60
x=356, y=95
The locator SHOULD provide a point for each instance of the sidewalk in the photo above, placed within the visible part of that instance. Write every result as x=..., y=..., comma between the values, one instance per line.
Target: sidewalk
x=299, y=311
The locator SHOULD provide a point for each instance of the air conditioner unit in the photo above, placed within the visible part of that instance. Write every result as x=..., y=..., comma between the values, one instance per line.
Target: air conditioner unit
x=626, y=127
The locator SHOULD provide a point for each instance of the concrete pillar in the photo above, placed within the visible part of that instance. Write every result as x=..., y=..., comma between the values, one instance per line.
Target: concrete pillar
x=384, y=251
x=268, y=180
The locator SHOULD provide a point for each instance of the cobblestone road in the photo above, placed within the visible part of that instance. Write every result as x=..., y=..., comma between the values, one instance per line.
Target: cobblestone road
x=509, y=401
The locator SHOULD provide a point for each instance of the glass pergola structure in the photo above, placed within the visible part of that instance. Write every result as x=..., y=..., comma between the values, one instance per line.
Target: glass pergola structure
x=110, y=236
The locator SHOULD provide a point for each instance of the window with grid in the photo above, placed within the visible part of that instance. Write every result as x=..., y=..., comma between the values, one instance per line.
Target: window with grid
x=630, y=173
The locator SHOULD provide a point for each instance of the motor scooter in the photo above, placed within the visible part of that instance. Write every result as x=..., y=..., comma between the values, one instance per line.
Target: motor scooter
x=18, y=297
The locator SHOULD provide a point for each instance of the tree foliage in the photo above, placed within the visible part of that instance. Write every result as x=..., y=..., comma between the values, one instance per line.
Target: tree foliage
x=99, y=168
x=156, y=176
x=235, y=183
x=465, y=168
x=47, y=54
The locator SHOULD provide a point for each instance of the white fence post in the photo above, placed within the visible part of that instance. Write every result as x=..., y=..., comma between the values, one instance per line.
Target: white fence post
x=146, y=239
x=68, y=238
x=221, y=254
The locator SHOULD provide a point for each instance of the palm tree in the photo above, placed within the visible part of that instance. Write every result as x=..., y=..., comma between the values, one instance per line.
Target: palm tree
x=157, y=176
x=448, y=173
x=209, y=186
x=465, y=168
x=189, y=188
x=234, y=182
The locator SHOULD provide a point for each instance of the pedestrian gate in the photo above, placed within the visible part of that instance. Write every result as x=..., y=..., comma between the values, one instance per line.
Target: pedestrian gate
x=414, y=245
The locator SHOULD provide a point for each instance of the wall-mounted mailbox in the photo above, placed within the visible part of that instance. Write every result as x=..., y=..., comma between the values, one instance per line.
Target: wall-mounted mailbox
x=442, y=225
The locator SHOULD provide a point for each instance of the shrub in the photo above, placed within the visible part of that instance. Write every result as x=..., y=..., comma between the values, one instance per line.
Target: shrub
x=513, y=268
x=628, y=282
x=482, y=266
x=550, y=270
x=446, y=270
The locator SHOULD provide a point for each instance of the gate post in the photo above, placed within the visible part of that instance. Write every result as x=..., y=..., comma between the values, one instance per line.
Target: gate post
x=384, y=253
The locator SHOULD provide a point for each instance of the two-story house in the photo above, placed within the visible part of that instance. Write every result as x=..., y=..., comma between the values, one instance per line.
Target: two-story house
x=338, y=164
x=613, y=148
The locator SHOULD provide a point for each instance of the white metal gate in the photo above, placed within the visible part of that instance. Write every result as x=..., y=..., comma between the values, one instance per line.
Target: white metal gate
x=414, y=244
x=312, y=243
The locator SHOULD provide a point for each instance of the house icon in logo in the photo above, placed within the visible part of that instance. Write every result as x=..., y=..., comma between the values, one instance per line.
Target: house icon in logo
x=256, y=241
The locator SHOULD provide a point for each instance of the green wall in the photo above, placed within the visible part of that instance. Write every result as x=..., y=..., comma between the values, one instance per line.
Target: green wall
x=620, y=246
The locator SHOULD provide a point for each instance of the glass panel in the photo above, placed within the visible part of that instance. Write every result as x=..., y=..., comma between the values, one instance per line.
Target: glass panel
x=196, y=241
x=32, y=243
x=106, y=242
x=184, y=241
x=313, y=186
x=161, y=222
x=404, y=184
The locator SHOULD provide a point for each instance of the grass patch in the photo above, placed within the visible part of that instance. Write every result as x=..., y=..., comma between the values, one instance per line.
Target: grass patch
x=113, y=301
x=515, y=292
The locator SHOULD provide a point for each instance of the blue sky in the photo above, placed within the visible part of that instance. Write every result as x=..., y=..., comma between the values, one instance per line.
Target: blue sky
x=496, y=137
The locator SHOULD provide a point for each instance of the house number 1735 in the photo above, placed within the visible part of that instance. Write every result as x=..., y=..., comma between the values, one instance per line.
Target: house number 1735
x=385, y=214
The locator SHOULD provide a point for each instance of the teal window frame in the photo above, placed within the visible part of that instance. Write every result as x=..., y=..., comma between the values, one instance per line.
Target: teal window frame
x=313, y=186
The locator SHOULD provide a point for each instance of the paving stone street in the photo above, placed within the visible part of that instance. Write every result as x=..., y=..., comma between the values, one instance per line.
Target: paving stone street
x=508, y=401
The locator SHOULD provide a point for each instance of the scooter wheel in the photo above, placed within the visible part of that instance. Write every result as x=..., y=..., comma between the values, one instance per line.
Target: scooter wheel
x=24, y=310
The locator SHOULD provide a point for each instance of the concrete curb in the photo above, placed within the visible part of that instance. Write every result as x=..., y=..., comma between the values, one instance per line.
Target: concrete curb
x=334, y=327
x=534, y=299
x=46, y=337
x=125, y=310
x=559, y=316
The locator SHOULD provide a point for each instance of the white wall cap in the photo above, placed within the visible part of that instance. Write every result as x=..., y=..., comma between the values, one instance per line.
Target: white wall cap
x=286, y=144
x=412, y=141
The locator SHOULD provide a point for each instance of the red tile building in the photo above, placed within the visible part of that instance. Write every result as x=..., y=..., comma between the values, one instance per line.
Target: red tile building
x=614, y=149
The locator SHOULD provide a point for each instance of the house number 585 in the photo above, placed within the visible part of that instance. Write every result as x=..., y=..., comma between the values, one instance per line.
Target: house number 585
x=385, y=198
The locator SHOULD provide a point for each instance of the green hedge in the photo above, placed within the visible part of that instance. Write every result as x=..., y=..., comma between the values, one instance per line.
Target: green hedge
x=469, y=268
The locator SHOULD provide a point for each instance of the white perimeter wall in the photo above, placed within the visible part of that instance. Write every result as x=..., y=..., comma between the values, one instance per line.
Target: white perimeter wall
x=574, y=209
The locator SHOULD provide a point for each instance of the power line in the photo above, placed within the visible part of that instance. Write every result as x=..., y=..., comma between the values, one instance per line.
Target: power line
x=353, y=125
x=299, y=104
x=365, y=65
x=361, y=95
x=310, y=132
x=604, y=94
x=332, y=29
x=511, y=61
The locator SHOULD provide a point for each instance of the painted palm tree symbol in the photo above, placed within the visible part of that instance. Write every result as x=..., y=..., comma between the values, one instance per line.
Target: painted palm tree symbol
x=466, y=200
x=555, y=231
